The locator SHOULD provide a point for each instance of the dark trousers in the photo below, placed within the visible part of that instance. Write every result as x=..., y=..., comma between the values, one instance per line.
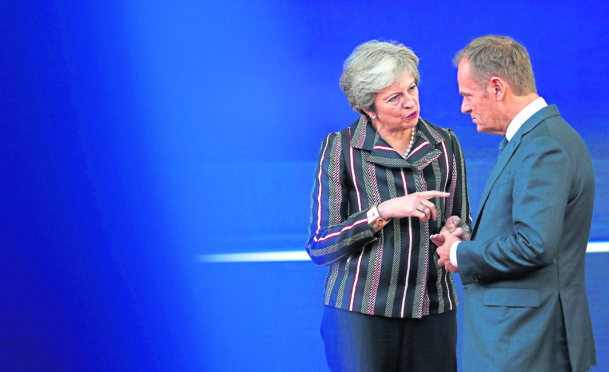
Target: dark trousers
x=366, y=343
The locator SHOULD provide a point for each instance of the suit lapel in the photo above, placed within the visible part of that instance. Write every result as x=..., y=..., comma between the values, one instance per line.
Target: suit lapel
x=508, y=152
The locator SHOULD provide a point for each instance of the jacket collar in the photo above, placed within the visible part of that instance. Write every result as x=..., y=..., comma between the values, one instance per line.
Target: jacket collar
x=424, y=150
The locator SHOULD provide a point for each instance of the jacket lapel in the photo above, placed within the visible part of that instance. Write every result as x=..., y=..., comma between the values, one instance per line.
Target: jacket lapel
x=423, y=152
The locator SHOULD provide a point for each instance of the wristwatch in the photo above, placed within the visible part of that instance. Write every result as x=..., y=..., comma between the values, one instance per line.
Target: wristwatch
x=375, y=221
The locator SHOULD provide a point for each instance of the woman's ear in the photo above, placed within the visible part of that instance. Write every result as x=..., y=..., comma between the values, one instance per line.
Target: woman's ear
x=371, y=114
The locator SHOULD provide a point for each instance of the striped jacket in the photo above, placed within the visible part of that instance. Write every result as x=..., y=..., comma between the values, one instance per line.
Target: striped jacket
x=392, y=273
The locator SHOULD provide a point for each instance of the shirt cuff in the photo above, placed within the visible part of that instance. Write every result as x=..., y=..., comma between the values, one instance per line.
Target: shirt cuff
x=453, y=253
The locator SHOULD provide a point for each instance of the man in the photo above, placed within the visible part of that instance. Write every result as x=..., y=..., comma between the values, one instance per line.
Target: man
x=525, y=301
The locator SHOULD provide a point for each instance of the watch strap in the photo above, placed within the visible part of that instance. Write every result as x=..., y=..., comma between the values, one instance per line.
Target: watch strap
x=375, y=221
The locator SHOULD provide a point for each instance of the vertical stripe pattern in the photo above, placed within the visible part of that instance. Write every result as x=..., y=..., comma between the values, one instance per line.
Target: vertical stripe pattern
x=394, y=272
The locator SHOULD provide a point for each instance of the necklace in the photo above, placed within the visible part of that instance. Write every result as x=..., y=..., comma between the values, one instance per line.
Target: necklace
x=412, y=135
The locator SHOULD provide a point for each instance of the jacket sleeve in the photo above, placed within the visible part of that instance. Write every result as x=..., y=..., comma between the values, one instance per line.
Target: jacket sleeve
x=458, y=202
x=333, y=233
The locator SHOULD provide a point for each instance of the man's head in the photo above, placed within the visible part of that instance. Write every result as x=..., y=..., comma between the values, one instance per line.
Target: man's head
x=496, y=81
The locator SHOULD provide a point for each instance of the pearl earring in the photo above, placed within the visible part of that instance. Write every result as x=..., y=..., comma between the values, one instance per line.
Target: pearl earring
x=372, y=116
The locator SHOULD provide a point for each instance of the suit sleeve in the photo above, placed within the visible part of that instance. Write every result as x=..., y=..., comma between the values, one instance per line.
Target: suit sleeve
x=333, y=234
x=531, y=223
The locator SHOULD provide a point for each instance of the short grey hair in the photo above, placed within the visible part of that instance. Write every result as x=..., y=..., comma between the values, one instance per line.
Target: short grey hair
x=373, y=66
x=501, y=56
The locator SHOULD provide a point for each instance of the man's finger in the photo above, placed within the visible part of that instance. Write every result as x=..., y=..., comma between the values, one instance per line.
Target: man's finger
x=438, y=239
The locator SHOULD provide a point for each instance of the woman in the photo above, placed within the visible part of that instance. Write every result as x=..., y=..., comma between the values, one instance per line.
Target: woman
x=382, y=187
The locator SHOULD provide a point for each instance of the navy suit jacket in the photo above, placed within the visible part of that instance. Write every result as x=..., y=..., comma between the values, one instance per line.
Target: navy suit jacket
x=523, y=270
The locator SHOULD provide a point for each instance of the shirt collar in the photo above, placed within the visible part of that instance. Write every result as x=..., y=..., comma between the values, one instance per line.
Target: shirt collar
x=523, y=116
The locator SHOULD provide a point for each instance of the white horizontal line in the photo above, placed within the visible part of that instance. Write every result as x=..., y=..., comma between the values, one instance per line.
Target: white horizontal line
x=287, y=256
x=255, y=257
x=597, y=247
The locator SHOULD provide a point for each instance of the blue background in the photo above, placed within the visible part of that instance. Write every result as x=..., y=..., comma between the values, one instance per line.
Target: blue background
x=137, y=136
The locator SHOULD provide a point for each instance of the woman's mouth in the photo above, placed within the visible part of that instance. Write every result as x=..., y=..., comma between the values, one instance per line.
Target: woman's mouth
x=413, y=115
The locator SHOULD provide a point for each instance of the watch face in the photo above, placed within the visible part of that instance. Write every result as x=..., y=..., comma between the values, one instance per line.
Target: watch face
x=374, y=219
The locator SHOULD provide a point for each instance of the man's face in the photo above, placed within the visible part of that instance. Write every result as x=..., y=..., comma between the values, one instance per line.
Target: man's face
x=482, y=106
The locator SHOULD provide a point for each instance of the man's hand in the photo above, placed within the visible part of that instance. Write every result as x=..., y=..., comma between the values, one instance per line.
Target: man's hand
x=444, y=252
x=452, y=226
x=450, y=233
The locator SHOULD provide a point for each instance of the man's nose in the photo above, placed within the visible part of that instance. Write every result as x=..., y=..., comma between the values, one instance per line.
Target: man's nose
x=465, y=107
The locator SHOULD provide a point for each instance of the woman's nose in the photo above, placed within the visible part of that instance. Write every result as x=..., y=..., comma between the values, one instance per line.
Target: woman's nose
x=408, y=101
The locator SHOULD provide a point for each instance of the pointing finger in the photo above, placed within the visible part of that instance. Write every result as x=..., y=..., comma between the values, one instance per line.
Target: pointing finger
x=434, y=194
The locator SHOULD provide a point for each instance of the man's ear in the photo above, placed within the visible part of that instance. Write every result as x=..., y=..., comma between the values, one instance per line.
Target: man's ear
x=497, y=87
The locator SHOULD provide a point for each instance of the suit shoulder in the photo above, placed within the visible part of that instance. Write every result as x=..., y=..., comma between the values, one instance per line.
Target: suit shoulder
x=556, y=131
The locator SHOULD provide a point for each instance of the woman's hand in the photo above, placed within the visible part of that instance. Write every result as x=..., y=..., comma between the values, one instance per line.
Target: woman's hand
x=412, y=205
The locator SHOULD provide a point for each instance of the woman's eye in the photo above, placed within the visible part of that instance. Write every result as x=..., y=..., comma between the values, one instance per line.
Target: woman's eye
x=392, y=99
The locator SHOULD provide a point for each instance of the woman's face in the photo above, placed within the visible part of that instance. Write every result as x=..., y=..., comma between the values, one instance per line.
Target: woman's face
x=397, y=106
